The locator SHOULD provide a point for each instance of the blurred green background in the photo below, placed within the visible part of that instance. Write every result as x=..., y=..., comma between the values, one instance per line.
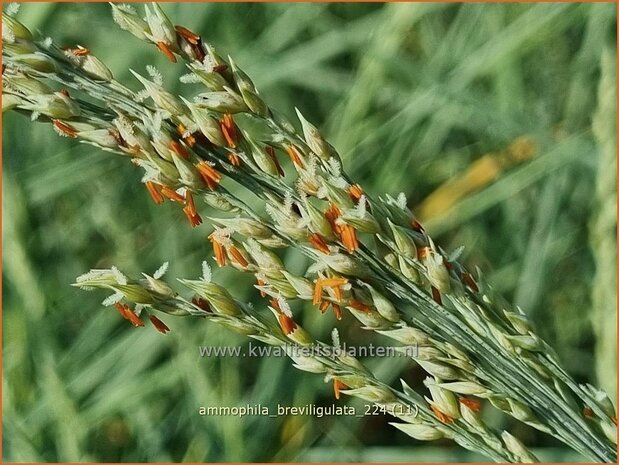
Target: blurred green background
x=497, y=120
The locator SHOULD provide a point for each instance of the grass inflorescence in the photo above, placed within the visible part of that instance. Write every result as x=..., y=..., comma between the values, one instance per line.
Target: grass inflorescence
x=370, y=256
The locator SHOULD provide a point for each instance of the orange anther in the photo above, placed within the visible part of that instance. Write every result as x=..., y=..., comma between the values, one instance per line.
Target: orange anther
x=332, y=213
x=317, y=293
x=261, y=283
x=189, y=138
x=238, y=256
x=337, y=387
x=349, y=237
x=154, y=193
x=319, y=243
x=338, y=311
x=179, y=150
x=337, y=291
x=172, y=194
x=473, y=404
x=78, y=51
x=324, y=305
x=444, y=418
x=129, y=314
x=355, y=191
x=219, y=250
x=234, y=159
x=209, y=174
x=359, y=306
x=194, y=219
x=333, y=281
x=158, y=324
x=228, y=129
x=294, y=155
x=287, y=324
x=166, y=51
x=65, y=128
x=423, y=252
x=191, y=206
x=186, y=34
